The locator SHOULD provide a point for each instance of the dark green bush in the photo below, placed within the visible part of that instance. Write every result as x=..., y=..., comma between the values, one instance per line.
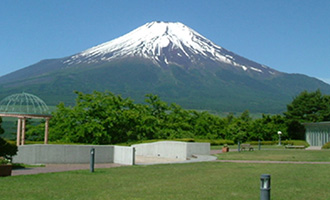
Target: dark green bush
x=326, y=146
x=286, y=142
x=216, y=142
x=7, y=150
x=185, y=139
x=296, y=142
x=263, y=142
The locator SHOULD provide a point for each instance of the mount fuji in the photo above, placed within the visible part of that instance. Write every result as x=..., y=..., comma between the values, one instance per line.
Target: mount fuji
x=164, y=44
x=167, y=59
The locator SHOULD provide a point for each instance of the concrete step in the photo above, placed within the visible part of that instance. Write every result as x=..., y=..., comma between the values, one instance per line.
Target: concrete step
x=314, y=148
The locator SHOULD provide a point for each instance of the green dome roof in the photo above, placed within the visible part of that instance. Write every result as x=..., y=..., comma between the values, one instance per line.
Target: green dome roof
x=24, y=103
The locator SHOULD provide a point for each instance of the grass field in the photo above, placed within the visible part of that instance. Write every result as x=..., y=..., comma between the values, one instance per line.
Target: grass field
x=209, y=180
x=278, y=155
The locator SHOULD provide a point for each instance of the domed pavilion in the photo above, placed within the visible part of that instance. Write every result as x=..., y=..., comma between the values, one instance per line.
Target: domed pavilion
x=25, y=106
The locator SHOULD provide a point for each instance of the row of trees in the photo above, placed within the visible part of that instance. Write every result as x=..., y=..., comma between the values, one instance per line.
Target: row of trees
x=105, y=118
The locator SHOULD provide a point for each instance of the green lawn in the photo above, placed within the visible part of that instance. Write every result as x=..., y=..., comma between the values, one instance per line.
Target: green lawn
x=209, y=180
x=278, y=155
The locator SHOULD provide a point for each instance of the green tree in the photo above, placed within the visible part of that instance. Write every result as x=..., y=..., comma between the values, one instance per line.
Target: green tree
x=309, y=107
x=238, y=128
x=266, y=128
x=206, y=125
x=104, y=118
x=7, y=150
x=1, y=129
x=306, y=107
x=35, y=129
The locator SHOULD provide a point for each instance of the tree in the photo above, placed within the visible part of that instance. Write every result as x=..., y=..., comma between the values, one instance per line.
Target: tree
x=35, y=129
x=238, y=128
x=7, y=150
x=306, y=107
x=105, y=118
x=309, y=107
x=266, y=128
x=1, y=129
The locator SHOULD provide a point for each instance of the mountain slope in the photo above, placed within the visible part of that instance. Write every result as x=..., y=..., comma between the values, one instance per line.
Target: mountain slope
x=168, y=59
x=164, y=44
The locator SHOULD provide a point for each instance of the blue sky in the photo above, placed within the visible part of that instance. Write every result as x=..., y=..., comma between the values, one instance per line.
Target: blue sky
x=291, y=36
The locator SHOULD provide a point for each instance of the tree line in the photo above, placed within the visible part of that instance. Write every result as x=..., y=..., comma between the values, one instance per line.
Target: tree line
x=106, y=118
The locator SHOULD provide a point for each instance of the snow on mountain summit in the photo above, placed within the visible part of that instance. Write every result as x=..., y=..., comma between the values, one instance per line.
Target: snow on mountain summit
x=164, y=43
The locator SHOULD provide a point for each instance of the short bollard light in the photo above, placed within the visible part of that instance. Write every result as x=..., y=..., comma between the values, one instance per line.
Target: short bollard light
x=92, y=159
x=265, y=187
x=239, y=146
x=134, y=150
x=259, y=144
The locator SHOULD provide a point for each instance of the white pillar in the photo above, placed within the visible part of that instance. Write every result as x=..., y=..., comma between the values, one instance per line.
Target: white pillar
x=46, y=130
x=18, y=138
x=23, y=131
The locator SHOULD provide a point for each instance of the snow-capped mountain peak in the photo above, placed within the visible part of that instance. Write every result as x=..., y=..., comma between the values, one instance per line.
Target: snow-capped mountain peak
x=164, y=43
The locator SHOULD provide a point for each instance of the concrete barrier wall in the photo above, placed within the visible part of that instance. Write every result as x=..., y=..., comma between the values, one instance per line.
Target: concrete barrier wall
x=198, y=149
x=166, y=149
x=172, y=149
x=26, y=155
x=71, y=154
x=124, y=155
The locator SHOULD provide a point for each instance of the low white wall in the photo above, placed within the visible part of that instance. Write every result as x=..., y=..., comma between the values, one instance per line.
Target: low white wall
x=198, y=149
x=124, y=155
x=172, y=149
x=26, y=155
x=71, y=154
x=166, y=149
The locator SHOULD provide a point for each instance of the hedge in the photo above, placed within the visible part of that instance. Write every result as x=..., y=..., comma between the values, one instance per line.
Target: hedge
x=285, y=142
x=326, y=146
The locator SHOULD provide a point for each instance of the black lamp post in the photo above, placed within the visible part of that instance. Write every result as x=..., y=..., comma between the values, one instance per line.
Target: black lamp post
x=239, y=146
x=265, y=187
x=92, y=159
x=279, y=137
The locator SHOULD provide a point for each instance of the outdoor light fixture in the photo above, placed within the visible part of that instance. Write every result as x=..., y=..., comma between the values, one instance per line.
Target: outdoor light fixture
x=279, y=137
x=265, y=187
x=92, y=159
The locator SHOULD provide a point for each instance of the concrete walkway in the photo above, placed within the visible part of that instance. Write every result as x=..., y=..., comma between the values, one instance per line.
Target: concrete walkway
x=140, y=160
x=49, y=168
x=144, y=160
x=313, y=148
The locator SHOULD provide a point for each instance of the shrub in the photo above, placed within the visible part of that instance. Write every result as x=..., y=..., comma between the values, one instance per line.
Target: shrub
x=296, y=142
x=4, y=161
x=286, y=142
x=326, y=146
x=7, y=150
x=185, y=140
x=263, y=142
x=216, y=142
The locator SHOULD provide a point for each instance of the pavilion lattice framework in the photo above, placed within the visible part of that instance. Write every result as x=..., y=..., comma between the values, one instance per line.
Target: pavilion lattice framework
x=12, y=106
